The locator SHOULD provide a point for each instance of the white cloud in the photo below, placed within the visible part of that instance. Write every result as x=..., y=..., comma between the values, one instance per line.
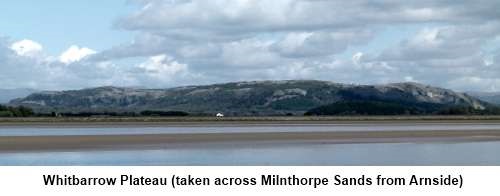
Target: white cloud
x=74, y=54
x=283, y=39
x=235, y=18
x=26, y=47
x=472, y=83
x=314, y=44
x=356, y=58
x=162, y=66
x=447, y=44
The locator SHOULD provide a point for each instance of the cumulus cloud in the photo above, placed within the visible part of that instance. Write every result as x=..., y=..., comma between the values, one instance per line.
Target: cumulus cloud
x=288, y=39
x=20, y=67
x=21, y=64
x=221, y=18
x=26, y=47
x=73, y=70
x=162, y=66
x=75, y=53
x=449, y=55
x=312, y=44
x=446, y=43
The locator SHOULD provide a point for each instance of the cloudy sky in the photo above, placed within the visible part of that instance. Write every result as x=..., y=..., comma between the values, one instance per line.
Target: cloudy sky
x=60, y=44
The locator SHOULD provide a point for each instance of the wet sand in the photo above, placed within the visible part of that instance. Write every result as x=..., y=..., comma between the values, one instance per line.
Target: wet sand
x=77, y=142
x=17, y=143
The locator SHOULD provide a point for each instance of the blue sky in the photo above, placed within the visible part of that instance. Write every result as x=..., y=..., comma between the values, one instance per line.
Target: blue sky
x=164, y=43
x=58, y=24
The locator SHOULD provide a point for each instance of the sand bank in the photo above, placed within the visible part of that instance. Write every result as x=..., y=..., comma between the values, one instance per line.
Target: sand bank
x=42, y=143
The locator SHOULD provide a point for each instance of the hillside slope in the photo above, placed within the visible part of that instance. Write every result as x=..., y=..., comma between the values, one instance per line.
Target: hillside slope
x=243, y=98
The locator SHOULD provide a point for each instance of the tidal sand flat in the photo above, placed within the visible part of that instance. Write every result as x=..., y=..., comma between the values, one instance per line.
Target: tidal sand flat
x=250, y=144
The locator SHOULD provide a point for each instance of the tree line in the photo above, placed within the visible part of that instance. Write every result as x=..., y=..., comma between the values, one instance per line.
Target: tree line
x=339, y=108
x=11, y=111
x=23, y=111
x=362, y=107
x=130, y=114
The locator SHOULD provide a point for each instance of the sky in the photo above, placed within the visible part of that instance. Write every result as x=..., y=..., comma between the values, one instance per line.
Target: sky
x=58, y=44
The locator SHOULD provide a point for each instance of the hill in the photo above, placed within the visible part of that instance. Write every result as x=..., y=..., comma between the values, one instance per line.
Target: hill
x=247, y=98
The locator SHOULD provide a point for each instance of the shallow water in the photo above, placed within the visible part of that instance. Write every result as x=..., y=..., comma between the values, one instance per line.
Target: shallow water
x=475, y=153
x=259, y=153
x=235, y=128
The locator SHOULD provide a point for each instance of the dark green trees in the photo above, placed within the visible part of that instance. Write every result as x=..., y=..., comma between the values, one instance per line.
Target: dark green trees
x=21, y=111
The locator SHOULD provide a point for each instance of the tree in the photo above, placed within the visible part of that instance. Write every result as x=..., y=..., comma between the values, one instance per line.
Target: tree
x=20, y=111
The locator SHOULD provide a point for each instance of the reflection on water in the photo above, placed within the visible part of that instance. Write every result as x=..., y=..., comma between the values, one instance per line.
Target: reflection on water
x=475, y=153
x=234, y=128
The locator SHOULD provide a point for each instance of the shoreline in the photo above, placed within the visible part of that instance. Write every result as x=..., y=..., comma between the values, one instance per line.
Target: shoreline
x=117, y=142
x=201, y=121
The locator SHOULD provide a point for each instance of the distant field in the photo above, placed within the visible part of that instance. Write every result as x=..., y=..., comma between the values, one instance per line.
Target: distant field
x=301, y=119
